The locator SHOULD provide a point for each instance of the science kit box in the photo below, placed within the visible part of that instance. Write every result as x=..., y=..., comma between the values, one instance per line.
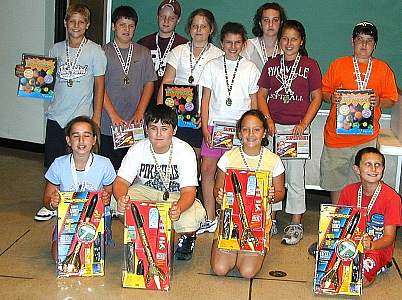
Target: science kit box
x=80, y=234
x=148, y=243
x=339, y=258
x=243, y=222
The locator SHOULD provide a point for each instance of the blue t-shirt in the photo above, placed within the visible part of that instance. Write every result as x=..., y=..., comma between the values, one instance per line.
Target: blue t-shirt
x=100, y=173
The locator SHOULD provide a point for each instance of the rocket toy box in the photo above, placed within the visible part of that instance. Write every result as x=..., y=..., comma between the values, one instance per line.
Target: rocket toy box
x=148, y=242
x=339, y=258
x=243, y=221
x=80, y=234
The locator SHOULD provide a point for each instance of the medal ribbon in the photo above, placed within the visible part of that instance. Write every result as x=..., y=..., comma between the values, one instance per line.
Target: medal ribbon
x=288, y=80
x=264, y=50
x=165, y=177
x=72, y=65
x=245, y=161
x=124, y=65
x=230, y=87
x=362, y=84
x=372, y=200
x=81, y=187
x=206, y=46
x=161, y=58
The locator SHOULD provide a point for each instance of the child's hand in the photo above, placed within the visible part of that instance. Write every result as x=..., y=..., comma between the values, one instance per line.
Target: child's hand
x=137, y=118
x=19, y=71
x=271, y=195
x=117, y=120
x=54, y=199
x=367, y=242
x=374, y=100
x=208, y=138
x=105, y=197
x=174, y=212
x=299, y=129
x=271, y=127
x=122, y=204
x=335, y=98
x=219, y=197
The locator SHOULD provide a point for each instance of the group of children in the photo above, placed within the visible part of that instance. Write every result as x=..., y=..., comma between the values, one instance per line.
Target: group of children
x=263, y=86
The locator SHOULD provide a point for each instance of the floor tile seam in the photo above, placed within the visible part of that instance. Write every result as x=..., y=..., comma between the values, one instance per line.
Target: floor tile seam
x=13, y=243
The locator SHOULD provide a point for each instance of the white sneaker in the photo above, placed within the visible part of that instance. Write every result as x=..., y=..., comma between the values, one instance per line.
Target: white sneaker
x=44, y=214
x=293, y=234
x=208, y=226
x=274, y=228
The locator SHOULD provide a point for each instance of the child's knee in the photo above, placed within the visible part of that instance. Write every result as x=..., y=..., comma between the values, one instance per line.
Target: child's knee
x=220, y=269
x=247, y=272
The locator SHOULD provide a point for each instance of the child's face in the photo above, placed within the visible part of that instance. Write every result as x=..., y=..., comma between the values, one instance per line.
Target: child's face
x=370, y=169
x=124, y=30
x=290, y=42
x=81, y=138
x=232, y=45
x=270, y=22
x=251, y=132
x=200, y=29
x=76, y=26
x=160, y=135
x=363, y=46
x=167, y=20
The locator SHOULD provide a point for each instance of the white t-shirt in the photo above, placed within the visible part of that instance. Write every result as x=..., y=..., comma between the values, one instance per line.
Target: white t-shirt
x=244, y=85
x=139, y=163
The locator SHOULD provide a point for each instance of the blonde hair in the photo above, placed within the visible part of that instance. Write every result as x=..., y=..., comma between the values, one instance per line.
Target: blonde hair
x=78, y=9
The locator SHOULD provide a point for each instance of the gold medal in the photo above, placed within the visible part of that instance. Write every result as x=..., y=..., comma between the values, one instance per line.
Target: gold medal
x=286, y=99
x=126, y=80
x=229, y=102
x=70, y=83
x=165, y=196
x=191, y=79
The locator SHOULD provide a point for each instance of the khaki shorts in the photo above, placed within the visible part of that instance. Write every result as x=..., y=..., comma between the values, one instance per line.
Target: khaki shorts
x=190, y=219
x=336, y=166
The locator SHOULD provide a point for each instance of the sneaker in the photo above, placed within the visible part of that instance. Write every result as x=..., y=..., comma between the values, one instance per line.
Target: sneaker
x=44, y=214
x=185, y=247
x=274, y=228
x=293, y=234
x=312, y=250
x=208, y=226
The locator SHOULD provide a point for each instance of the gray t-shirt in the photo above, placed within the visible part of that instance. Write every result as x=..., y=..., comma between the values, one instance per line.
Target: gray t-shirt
x=125, y=97
x=77, y=100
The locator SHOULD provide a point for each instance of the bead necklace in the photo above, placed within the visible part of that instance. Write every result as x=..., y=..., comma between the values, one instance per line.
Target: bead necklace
x=372, y=200
x=162, y=58
x=165, y=177
x=245, y=161
x=362, y=84
x=230, y=87
x=71, y=65
x=124, y=65
x=191, y=77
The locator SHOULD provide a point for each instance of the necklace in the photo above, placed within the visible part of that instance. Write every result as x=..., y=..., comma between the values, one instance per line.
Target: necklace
x=287, y=80
x=80, y=187
x=191, y=78
x=264, y=50
x=124, y=65
x=71, y=65
x=362, y=84
x=230, y=87
x=165, y=177
x=245, y=161
x=161, y=59
x=372, y=200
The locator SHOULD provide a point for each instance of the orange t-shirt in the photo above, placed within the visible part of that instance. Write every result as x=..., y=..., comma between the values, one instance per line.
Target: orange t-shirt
x=340, y=75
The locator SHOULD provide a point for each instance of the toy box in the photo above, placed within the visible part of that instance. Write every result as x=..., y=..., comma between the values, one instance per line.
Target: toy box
x=288, y=146
x=148, y=242
x=243, y=216
x=80, y=234
x=224, y=136
x=339, y=258
x=127, y=135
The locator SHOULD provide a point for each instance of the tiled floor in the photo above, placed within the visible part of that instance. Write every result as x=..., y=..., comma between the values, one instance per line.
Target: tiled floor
x=27, y=271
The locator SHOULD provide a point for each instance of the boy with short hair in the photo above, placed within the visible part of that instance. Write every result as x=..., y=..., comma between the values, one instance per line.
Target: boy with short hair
x=79, y=85
x=128, y=81
x=383, y=210
x=160, y=43
x=164, y=168
x=356, y=72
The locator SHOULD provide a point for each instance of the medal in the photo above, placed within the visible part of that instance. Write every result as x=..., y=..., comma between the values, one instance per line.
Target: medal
x=126, y=80
x=161, y=71
x=71, y=65
x=230, y=86
x=70, y=83
x=165, y=195
x=286, y=99
x=191, y=79
x=125, y=65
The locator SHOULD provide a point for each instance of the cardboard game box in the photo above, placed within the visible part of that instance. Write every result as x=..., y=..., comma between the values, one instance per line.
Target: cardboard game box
x=224, y=136
x=339, y=258
x=148, y=243
x=243, y=216
x=127, y=135
x=184, y=100
x=288, y=146
x=354, y=114
x=80, y=234
x=39, y=77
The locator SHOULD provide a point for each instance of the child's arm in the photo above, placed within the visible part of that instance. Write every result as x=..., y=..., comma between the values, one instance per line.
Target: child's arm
x=106, y=194
x=187, y=197
x=147, y=92
x=278, y=183
x=99, y=91
x=387, y=239
x=218, y=188
x=262, y=105
x=206, y=96
x=111, y=111
x=254, y=101
x=51, y=197
x=315, y=104
x=168, y=77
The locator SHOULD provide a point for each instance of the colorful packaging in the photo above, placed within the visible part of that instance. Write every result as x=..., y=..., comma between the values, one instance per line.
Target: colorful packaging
x=243, y=220
x=148, y=242
x=339, y=258
x=224, y=136
x=80, y=234
x=127, y=135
